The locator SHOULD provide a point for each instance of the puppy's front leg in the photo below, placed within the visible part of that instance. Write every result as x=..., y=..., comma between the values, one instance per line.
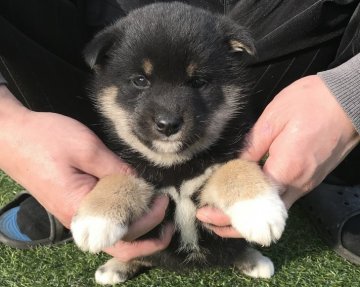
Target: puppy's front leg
x=105, y=213
x=243, y=192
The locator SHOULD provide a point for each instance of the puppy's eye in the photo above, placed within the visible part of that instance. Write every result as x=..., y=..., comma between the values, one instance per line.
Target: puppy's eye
x=140, y=82
x=198, y=83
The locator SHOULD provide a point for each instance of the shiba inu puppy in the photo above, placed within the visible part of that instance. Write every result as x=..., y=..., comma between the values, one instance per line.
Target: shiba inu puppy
x=171, y=83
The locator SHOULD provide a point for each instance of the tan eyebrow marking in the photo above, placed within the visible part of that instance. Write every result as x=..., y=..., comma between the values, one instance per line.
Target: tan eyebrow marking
x=191, y=69
x=148, y=67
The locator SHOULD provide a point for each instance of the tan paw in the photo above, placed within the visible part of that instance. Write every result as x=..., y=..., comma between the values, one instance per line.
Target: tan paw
x=106, y=212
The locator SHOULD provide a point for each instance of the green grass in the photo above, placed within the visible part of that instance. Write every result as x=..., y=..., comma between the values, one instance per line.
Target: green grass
x=300, y=259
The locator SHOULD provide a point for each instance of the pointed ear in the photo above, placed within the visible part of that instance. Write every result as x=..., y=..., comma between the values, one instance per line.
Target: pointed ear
x=240, y=46
x=96, y=52
x=239, y=38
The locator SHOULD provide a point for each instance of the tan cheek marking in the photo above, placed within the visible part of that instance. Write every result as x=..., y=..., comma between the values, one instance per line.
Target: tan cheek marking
x=147, y=67
x=107, y=99
x=109, y=94
x=191, y=69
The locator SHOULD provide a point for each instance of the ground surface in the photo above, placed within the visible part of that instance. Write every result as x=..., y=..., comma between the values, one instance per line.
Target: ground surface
x=300, y=258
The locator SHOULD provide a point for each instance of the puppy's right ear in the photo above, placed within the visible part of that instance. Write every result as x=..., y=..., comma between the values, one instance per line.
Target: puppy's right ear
x=96, y=52
x=238, y=37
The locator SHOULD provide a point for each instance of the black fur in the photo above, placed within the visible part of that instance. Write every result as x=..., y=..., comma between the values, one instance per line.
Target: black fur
x=173, y=36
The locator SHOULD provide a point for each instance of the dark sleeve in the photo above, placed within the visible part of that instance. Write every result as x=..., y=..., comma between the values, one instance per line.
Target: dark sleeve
x=2, y=80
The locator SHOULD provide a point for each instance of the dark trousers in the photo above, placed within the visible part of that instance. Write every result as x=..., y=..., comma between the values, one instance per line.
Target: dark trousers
x=41, y=43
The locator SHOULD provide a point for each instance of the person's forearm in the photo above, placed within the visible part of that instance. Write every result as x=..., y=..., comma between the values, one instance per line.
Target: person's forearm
x=10, y=107
x=11, y=116
x=344, y=84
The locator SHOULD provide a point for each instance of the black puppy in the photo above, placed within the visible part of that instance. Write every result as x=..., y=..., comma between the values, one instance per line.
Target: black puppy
x=170, y=81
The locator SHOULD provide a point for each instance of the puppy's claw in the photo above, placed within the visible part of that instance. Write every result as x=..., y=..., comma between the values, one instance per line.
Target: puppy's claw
x=92, y=233
x=261, y=219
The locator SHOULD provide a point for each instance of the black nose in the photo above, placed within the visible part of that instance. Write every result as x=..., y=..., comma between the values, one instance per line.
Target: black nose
x=167, y=124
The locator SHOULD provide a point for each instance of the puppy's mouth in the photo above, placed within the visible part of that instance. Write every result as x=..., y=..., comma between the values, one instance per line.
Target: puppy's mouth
x=161, y=143
x=167, y=146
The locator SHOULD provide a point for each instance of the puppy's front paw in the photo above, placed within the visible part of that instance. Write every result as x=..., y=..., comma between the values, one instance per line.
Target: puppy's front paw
x=94, y=233
x=244, y=193
x=260, y=219
x=106, y=212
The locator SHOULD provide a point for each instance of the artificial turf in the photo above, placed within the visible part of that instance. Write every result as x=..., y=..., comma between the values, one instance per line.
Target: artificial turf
x=300, y=258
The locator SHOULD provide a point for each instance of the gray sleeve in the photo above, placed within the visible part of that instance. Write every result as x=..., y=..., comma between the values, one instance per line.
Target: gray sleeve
x=2, y=80
x=344, y=83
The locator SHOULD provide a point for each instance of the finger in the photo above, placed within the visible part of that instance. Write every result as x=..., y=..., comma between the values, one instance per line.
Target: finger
x=276, y=173
x=213, y=216
x=127, y=251
x=283, y=166
x=225, y=232
x=291, y=196
x=148, y=221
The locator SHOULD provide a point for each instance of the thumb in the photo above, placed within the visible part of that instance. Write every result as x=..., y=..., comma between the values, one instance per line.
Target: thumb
x=107, y=162
x=101, y=162
x=260, y=139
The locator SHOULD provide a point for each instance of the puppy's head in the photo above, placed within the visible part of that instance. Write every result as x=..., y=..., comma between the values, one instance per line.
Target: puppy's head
x=169, y=77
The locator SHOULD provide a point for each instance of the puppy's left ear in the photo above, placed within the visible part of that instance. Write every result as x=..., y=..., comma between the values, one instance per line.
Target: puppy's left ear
x=97, y=51
x=239, y=38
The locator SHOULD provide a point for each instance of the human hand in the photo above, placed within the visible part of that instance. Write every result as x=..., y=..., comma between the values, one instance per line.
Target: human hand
x=129, y=248
x=306, y=134
x=59, y=160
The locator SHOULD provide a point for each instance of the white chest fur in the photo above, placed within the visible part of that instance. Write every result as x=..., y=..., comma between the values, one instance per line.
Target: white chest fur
x=185, y=212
